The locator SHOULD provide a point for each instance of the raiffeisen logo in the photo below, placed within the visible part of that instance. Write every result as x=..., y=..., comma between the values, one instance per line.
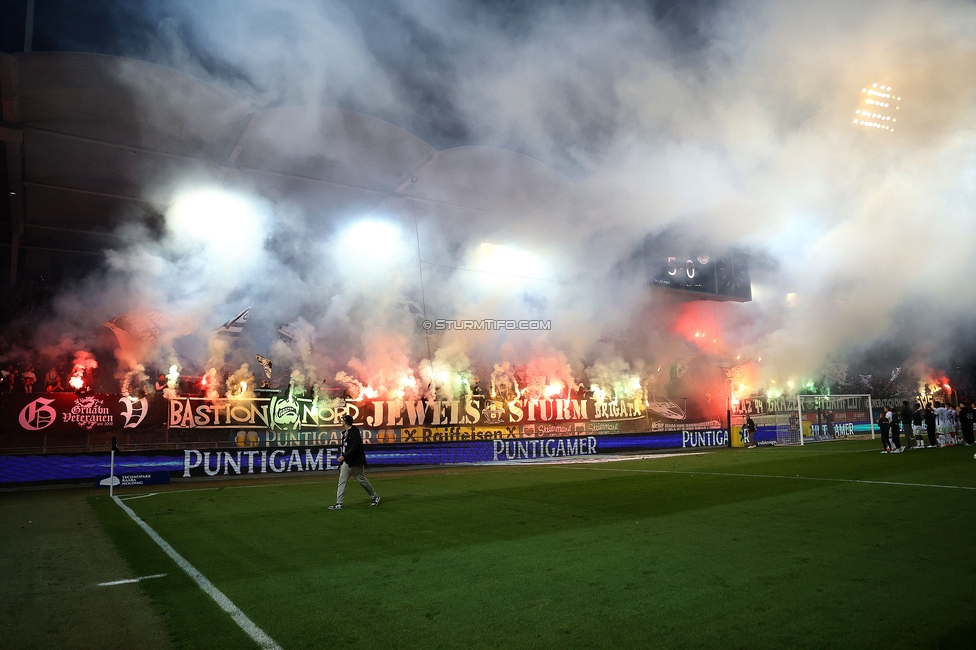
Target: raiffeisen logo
x=37, y=415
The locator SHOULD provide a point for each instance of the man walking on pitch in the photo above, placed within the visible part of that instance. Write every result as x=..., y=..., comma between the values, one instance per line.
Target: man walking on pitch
x=352, y=461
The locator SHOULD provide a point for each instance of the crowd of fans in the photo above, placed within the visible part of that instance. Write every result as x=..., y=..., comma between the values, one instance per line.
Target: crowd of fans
x=17, y=379
x=23, y=378
x=926, y=427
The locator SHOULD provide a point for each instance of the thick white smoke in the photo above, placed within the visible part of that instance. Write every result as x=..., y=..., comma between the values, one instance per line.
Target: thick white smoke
x=740, y=138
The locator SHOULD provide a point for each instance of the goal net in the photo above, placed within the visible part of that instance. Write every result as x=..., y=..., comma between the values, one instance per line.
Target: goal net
x=819, y=418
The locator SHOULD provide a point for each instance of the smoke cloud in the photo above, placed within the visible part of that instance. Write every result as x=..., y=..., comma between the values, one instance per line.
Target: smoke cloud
x=602, y=132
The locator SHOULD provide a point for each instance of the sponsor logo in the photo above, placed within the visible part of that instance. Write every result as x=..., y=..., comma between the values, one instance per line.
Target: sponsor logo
x=247, y=439
x=307, y=438
x=37, y=415
x=710, y=438
x=686, y=426
x=279, y=461
x=603, y=427
x=836, y=430
x=457, y=434
x=544, y=448
x=148, y=478
x=543, y=430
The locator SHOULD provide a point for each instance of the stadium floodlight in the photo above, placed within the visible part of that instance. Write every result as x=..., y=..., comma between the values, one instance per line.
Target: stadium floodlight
x=225, y=222
x=506, y=266
x=877, y=110
x=378, y=243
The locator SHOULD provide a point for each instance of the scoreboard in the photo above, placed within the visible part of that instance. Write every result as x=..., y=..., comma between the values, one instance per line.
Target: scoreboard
x=722, y=278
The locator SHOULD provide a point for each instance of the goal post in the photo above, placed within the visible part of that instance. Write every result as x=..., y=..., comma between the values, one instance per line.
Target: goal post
x=802, y=419
x=834, y=417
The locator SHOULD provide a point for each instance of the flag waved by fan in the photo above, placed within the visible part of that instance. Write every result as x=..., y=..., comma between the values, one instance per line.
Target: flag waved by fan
x=233, y=328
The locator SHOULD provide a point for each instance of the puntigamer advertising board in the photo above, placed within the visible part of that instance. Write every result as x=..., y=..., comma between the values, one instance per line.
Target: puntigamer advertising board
x=304, y=459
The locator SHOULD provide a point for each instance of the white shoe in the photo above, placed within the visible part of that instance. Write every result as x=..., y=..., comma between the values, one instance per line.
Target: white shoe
x=376, y=500
x=336, y=507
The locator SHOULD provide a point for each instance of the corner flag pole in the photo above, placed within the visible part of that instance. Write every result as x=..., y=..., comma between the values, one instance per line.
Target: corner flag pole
x=111, y=468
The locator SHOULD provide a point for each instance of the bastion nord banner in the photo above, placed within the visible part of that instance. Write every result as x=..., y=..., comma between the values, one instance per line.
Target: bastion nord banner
x=287, y=414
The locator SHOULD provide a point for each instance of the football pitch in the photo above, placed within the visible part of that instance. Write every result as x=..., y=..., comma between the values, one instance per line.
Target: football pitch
x=825, y=546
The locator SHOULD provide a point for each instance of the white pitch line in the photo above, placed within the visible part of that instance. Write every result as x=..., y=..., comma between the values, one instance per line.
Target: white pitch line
x=290, y=483
x=513, y=463
x=767, y=449
x=585, y=460
x=795, y=478
x=140, y=496
x=260, y=636
x=129, y=581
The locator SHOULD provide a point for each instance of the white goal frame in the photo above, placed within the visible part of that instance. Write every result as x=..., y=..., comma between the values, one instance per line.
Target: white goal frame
x=835, y=402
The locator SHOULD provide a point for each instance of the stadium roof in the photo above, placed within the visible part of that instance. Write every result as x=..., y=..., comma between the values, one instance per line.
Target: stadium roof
x=94, y=141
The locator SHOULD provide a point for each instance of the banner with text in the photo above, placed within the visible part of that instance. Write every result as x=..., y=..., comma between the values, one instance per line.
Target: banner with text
x=74, y=413
x=281, y=414
x=193, y=462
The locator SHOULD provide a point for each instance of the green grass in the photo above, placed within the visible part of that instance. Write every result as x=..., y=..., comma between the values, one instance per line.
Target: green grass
x=671, y=553
x=54, y=554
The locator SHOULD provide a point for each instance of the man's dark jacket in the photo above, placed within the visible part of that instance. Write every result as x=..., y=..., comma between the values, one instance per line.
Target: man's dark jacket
x=353, y=452
x=907, y=415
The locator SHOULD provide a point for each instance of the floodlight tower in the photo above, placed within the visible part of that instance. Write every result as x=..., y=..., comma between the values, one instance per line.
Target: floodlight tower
x=879, y=110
